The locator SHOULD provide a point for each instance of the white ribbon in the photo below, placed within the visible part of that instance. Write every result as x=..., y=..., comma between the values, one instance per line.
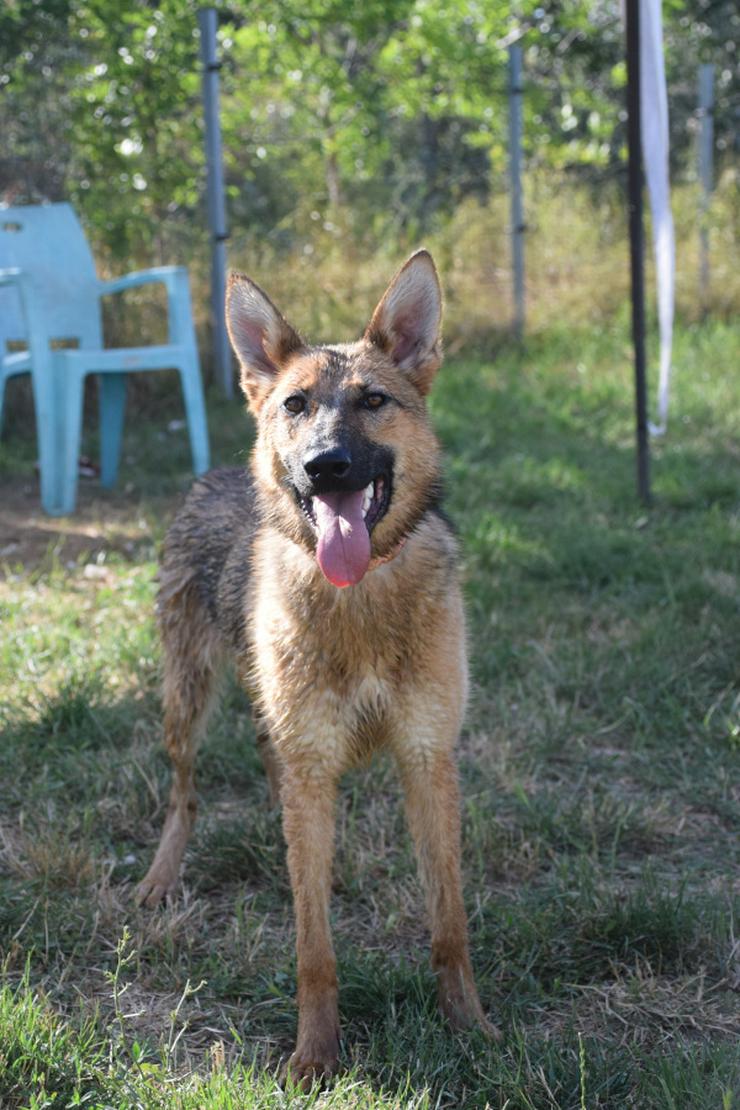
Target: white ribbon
x=654, y=111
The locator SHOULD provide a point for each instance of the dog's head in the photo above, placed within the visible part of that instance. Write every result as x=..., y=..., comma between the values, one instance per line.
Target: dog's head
x=346, y=460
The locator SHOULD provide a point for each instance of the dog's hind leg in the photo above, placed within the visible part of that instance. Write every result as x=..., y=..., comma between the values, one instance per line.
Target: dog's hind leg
x=191, y=665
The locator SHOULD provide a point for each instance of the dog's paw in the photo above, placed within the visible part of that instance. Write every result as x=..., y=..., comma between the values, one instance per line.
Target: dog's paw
x=486, y=1027
x=155, y=888
x=464, y=1018
x=458, y=1001
x=312, y=1064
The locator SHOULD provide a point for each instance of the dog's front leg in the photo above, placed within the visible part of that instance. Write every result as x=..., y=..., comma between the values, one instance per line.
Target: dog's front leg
x=433, y=811
x=308, y=822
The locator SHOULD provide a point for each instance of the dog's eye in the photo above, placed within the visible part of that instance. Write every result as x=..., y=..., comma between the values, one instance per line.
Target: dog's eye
x=375, y=400
x=294, y=404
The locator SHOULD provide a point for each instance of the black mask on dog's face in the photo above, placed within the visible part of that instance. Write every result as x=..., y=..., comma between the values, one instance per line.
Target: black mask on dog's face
x=342, y=478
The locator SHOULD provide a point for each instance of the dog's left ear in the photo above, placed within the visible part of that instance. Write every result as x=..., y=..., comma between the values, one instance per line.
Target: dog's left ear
x=406, y=323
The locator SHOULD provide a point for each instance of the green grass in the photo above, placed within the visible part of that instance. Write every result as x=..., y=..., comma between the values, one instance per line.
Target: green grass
x=599, y=771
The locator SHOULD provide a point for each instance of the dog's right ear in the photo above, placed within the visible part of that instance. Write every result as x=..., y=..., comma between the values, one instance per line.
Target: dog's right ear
x=262, y=339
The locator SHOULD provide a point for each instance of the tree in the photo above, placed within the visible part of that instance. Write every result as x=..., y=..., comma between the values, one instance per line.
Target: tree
x=393, y=110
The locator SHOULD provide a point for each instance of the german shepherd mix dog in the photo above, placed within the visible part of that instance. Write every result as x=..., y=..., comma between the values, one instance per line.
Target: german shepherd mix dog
x=330, y=577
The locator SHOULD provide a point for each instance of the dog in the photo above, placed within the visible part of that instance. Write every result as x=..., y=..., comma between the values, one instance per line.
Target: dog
x=329, y=575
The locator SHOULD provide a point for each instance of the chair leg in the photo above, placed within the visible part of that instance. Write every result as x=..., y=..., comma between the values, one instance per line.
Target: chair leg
x=112, y=408
x=48, y=409
x=72, y=401
x=195, y=411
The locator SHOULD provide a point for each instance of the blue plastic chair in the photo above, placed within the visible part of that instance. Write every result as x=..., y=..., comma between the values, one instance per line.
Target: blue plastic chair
x=49, y=292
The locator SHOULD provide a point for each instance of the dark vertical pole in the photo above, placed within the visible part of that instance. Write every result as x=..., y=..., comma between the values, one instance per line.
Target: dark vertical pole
x=637, y=243
x=515, y=172
x=706, y=173
x=207, y=21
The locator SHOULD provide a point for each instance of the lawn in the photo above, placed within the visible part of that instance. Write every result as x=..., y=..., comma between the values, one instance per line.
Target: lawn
x=599, y=772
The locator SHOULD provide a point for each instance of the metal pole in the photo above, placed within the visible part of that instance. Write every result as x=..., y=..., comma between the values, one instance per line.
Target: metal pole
x=515, y=170
x=207, y=20
x=706, y=173
x=637, y=243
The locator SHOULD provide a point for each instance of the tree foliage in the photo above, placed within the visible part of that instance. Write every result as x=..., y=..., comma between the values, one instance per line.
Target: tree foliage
x=393, y=109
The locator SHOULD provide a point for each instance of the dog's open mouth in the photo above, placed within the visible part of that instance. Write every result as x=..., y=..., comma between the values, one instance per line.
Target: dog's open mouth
x=343, y=522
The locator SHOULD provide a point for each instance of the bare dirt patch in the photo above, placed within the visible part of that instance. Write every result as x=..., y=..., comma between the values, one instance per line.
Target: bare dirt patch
x=32, y=540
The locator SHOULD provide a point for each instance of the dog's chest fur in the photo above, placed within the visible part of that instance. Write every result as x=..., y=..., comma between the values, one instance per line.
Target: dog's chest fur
x=336, y=673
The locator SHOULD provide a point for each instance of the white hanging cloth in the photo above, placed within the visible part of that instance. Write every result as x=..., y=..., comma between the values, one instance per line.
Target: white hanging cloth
x=654, y=112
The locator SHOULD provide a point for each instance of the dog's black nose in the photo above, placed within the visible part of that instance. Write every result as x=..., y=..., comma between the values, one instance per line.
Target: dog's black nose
x=333, y=463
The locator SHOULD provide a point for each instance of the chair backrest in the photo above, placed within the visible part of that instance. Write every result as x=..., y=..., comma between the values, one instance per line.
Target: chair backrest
x=47, y=242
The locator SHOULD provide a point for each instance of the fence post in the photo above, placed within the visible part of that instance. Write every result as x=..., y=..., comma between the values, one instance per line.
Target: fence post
x=706, y=173
x=515, y=171
x=637, y=243
x=207, y=20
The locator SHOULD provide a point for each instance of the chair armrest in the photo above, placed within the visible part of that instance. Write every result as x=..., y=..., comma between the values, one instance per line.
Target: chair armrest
x=167, y=275
x=33, y=314
x=23, y=282
x=175, y=280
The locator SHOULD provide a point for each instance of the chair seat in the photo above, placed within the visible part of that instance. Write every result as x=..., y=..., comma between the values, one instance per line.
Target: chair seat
x=19, y=362
x=111, y=359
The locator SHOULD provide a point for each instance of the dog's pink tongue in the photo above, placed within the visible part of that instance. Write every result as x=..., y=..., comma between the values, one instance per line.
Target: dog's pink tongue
x=343, y=550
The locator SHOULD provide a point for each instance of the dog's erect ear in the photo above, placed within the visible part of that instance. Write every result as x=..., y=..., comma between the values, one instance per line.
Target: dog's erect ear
x=406, y=323
x=262, y=339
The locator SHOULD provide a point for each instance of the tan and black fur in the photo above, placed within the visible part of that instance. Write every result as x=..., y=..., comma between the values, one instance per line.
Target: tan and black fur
x=333, y=674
